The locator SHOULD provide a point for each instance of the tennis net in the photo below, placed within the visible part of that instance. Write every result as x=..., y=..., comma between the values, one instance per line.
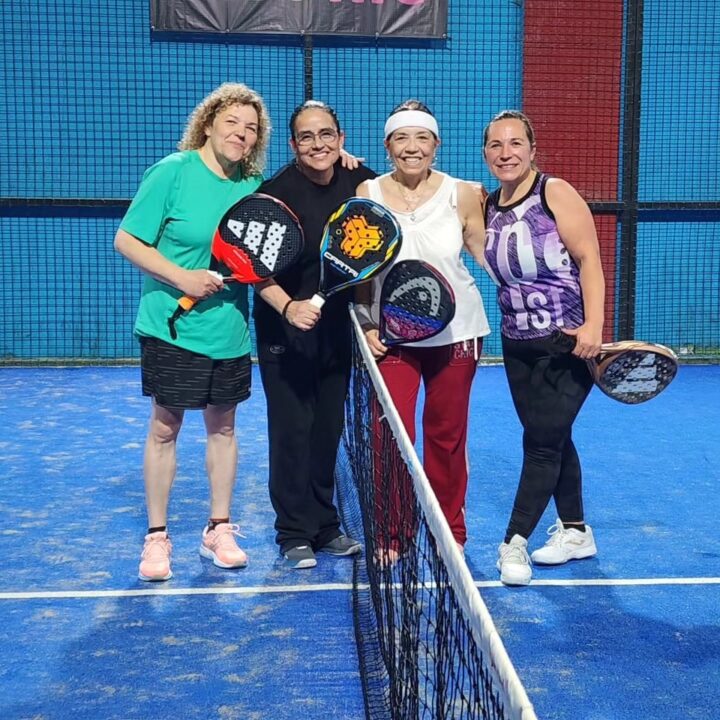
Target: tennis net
x=427, y=645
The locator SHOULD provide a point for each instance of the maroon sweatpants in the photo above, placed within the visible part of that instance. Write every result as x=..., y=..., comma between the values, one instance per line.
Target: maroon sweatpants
x=447, y=373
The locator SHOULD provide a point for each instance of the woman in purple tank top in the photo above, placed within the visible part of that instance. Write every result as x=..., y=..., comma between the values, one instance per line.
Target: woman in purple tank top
x=542, y=251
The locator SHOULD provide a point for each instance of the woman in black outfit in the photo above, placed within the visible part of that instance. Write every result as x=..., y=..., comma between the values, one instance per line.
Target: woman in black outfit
x=305, y=354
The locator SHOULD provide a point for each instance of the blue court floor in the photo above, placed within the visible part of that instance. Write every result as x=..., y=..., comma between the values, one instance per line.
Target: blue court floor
x=631, y=634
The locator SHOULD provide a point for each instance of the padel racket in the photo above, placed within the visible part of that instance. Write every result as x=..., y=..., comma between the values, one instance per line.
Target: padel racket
x=256, y=238
x=360, y=238
x=629, y=371
x=416, y=303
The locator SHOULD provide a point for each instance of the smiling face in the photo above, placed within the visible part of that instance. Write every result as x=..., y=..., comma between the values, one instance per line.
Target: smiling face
x=508, y=151
x=316, y=143
x=412, y=150
x=232, y=135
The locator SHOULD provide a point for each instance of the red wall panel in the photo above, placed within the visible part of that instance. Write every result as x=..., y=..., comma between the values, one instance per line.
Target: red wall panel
x=572, y=81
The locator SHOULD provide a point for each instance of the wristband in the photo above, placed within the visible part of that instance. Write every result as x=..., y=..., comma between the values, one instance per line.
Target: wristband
x=283, y=314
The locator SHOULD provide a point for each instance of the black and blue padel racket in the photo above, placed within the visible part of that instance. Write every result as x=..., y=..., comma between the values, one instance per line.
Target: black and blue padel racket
x=360, y=238
x=416, y=303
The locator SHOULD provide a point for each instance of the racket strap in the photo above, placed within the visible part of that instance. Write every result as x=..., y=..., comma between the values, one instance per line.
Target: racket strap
x=173, y=319
x=285, y=309
x=185, y=303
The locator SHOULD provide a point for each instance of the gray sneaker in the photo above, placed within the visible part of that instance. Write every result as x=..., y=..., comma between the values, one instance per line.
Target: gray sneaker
x=300, y=557
x=340, y=546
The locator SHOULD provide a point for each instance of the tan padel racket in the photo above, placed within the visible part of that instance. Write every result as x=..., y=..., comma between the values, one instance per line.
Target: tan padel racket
x=629, y=371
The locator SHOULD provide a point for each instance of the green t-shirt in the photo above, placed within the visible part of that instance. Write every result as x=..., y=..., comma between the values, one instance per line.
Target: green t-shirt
x=176, y=210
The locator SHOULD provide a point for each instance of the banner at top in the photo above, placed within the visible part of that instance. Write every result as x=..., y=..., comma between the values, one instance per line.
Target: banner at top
x=374, y=18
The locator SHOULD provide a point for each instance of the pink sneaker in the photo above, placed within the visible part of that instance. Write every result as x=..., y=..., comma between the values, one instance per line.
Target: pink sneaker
x=219, y=546
x=155, y=558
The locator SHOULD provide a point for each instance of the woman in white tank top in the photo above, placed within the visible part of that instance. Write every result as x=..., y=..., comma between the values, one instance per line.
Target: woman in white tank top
x=439, y=216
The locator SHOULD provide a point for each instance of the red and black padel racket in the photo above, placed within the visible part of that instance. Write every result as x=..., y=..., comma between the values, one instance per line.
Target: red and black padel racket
x=256, y=238
x=416, y=303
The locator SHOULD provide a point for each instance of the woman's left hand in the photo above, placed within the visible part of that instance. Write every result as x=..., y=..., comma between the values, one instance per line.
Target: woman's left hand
x=588, y=339
x=377, y=349
x=348, y=161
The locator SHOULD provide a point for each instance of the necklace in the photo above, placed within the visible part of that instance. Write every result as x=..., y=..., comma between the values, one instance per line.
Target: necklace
x=411, y=199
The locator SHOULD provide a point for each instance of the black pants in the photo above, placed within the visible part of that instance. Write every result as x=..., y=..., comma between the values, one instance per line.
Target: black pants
x=305, y=394
x=548, y=388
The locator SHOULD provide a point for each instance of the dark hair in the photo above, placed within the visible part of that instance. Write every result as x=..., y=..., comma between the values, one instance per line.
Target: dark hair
x=412, y=105
x=512, y=115
x=313, y=105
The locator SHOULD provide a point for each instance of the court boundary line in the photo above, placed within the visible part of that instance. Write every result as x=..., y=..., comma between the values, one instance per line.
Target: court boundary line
x=330, y=587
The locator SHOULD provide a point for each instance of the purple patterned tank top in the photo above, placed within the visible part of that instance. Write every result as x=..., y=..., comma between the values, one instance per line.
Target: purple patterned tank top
x=538, y=281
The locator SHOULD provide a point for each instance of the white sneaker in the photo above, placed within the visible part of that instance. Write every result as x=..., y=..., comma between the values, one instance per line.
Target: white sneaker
x=514, y=562
x=565, y=544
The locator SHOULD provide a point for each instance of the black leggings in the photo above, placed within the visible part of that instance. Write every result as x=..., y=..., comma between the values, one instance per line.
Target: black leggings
x=548, y=388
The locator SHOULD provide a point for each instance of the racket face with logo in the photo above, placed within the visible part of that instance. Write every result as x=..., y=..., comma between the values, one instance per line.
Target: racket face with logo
x=416, y=303
x=630, y=371
x=257, y=238
x=633, y=372
x=360, y=238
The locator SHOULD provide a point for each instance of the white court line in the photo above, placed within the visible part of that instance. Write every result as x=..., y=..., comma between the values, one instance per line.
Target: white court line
x=609, y=582
x=330, y=587
x=151, y=591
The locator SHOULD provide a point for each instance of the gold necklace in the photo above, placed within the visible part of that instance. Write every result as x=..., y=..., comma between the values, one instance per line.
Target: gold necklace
x=412, y=200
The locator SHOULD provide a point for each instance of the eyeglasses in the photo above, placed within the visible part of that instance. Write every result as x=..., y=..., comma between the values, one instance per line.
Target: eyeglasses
x=308, y=138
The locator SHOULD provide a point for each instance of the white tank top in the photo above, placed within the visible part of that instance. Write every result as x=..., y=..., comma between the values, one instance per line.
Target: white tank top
x=433, y=233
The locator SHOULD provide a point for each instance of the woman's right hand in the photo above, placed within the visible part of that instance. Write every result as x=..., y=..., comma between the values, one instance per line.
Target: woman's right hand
x=199, y=284
x=376, y=347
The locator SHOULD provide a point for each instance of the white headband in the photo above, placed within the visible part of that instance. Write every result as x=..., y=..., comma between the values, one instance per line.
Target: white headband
x=411, y=118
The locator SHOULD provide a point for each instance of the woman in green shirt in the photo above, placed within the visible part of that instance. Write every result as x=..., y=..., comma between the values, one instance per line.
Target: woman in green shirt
x=167, y=233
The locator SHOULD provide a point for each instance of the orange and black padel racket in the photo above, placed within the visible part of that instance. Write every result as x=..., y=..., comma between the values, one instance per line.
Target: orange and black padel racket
x=360, y=238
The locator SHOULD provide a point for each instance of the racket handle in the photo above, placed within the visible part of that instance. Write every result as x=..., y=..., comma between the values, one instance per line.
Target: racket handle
x=317, y=300
x=188, y=303
x=224, y=279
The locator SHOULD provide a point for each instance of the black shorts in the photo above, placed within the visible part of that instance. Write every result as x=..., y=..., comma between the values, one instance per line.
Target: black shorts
x=184, y=379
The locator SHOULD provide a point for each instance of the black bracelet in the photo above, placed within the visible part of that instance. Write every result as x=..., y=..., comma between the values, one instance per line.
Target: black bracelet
x=283, y=314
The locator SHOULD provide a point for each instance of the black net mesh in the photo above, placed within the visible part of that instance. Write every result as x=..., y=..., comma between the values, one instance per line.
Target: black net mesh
x=427, y=647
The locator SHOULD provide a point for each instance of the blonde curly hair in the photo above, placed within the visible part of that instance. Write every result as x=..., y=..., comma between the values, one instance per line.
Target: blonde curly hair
x=221, y=98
